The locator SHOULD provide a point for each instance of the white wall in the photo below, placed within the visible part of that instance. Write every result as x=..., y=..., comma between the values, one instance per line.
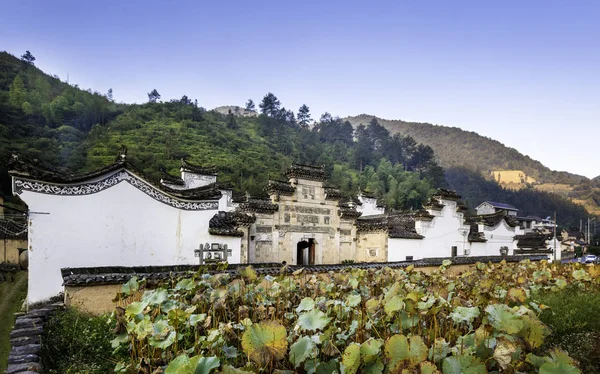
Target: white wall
x=501, y=235
x=369, y=207
x=445, y=231
x=118, y=226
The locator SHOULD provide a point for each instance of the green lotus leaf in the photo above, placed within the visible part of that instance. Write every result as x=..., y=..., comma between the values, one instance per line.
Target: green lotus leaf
x=351, y=359
x=204, y=365
x=394, y=304
x=402, y=351
x=391, y=292
x=558, y=356
x=301, y=350
x=536, y=361
x=503, y=318
x=463, y=365
x=163, y=343
x=134, y=308
x=185, y=284
x=228, y=369
x=446, y=263
x=373, y=367
x=560, y=283
x=553, y=368
x=327, y=367
x=310, y=366
x=230, y=352
x=580, y=274
x=370, y=350
x=120, y=339
x=464, y=314
x=313, y=320
x=143, y=328
x=180, y=365
x=197, y=318
x=428, y=368
x=535, y=331
x=161, y=329
x=265, y=342
x=408, y=321
x=439, y=350
x=131, y=286
x=353, y=300
x=306, y=304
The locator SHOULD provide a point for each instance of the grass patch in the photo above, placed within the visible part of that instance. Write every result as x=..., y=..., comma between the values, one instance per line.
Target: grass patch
x=12, y=295
x=575, y=326
x=76, y=342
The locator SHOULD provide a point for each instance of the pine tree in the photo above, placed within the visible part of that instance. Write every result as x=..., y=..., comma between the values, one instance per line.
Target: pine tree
x=304, y=116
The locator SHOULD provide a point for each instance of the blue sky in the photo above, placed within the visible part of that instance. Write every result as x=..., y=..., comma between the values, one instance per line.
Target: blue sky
x=526, y=73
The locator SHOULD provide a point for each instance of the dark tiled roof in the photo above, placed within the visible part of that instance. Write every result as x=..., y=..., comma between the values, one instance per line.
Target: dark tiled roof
x=374, y=223
x=495, y=218
x=532, y=241
x=332, y=193
x=348, y=213
x=500, y=205
x=31, y=169
x=422, y=215
x=280, y=188
x=227, y=223
x=475, y=236
x=170, y=179
x=446, y=194
x=461, y=207
x=434, y=204
x=309, y=172
x=402, y=226
x=156, y=274
x=196, y=169
x=258, y=206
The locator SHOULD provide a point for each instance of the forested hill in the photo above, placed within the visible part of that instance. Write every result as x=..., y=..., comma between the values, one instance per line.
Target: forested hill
x=81, y=130
x=455, y=147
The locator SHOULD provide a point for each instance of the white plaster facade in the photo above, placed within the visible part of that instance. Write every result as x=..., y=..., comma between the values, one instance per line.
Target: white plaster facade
x=369, y=206
x=116, y=226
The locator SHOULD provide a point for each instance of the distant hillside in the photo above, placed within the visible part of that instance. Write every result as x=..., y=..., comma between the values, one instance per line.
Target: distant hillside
x=493, y=161
x=472, y=150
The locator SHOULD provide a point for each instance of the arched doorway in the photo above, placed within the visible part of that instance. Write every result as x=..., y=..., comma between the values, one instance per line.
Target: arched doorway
x=305, y=252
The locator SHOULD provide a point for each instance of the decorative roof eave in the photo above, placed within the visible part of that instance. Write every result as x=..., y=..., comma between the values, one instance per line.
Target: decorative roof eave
x=196, y=169
x=309, y=172
x=434, y=205
x=226, y=223
x=280, y=188
x=461, y=208
x=332, y=193
x=423, y=215
x=170, y=179
x=225, y=232
x=349, y=213
x=402, y=234
x=494, y=219
x=442, y=193
x=258, y=206
x=57, y=183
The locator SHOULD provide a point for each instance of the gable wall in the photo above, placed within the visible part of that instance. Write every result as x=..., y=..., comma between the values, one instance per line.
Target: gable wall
x=118, y=226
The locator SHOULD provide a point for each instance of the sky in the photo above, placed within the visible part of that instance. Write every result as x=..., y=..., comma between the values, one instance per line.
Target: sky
x=526, y=73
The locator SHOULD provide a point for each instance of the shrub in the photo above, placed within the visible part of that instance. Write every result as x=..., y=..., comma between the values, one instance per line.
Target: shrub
x=572, y=310
x=75, y=342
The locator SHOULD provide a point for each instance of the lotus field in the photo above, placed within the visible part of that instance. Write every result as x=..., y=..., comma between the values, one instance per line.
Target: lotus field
x=355, y=321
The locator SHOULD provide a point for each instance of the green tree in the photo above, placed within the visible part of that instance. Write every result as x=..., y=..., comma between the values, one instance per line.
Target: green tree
x=153, y=96
x=270, y=105
x=28, y=58
x=304, y=116
x=17, y=93
x=250, y=105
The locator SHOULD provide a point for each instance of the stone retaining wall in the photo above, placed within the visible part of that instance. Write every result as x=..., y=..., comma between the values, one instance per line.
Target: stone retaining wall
x=26, y=339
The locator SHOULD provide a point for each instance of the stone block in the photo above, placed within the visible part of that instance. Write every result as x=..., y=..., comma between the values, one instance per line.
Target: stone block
x=26, y=349
x=21, y=359
x=28, y=366
x=27, y=331
x=25, y=340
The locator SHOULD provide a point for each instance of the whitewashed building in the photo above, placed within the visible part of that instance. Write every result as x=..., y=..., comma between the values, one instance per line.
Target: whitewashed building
x=115, y=217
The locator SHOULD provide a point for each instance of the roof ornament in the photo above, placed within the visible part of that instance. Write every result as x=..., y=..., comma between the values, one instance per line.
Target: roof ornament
x=123, y=153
